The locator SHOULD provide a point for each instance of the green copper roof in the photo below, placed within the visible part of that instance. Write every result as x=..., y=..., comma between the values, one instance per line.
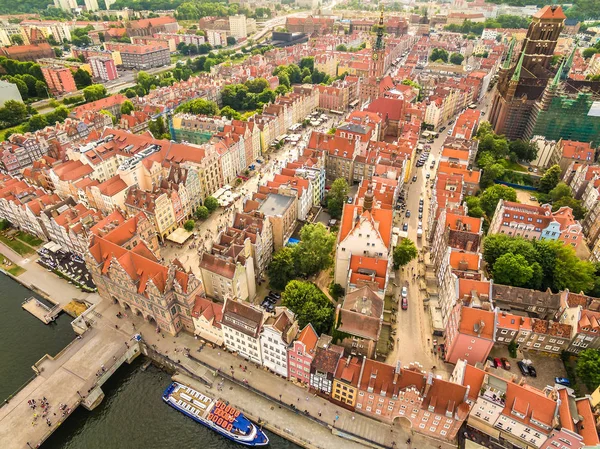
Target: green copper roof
x=517, y=75
x=506, y=64
x=558, y=75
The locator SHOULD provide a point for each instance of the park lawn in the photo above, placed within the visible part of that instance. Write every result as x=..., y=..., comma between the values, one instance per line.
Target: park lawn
x=17, y=246
x=514, y=166
x=31, y=240
x=10, y=266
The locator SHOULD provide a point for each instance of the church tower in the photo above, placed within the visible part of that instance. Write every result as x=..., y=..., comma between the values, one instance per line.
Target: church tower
x=377, y=63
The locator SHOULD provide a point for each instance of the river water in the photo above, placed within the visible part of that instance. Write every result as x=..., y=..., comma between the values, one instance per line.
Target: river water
x=132, y=415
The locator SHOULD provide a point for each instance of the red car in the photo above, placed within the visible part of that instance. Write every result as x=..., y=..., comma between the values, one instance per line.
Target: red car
x=404, y=303
x=497, y=363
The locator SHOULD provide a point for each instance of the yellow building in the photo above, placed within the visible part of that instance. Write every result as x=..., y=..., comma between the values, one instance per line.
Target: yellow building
x=345, y=382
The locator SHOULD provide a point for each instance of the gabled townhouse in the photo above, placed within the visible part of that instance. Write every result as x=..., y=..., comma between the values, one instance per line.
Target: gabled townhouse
x=360, y=316
x=344, y=391
x=242, y=324
x=67, y=223
x=585, y=328
x=301, y=354
x=509, y=327
x=109, y=195
x=514, y=413
x=134, y=278
x=372, y=272
x=207, y=316
x=157, y=205
x=364, y=231
x=259, y=230
x=309, y=171
x=470, y=331
x=324, y=366
x=579, y=176
x=396, y=394
x=278, y=333
x=339, y=154
x=573, y=151
x=545, y=336
x=536, y=222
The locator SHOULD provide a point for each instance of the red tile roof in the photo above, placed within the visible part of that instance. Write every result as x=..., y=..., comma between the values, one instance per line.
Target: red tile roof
x=550, y=12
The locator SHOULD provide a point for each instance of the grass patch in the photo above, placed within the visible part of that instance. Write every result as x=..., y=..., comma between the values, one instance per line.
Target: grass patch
x=28, y=238
x=514, y=166
x=16, y=245
x=9, y=266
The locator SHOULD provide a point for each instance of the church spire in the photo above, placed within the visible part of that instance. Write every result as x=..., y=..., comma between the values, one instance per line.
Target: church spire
x=379, y=42
x=517, y=74
x=558, y=75
x=508, y=59
x=569, y=63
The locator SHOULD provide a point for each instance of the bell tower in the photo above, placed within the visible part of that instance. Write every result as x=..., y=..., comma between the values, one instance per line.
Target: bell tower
x=377, y=63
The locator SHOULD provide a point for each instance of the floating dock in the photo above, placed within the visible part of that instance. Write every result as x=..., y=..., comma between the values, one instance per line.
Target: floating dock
x=40, y=310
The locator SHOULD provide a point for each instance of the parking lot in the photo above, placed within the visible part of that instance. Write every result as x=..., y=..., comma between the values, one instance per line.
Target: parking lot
x=548, y=367
x=68, y=264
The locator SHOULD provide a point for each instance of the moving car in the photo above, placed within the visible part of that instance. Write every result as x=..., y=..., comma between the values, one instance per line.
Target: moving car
x=404, y=303
x=523, y=368
x=562, y=381
x=404, y=292
x=532, y=371
x=414, y=179
x=505, y=363
x=407, y=214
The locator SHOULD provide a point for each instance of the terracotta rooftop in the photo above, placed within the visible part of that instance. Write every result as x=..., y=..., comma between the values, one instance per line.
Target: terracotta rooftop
x=211, y=311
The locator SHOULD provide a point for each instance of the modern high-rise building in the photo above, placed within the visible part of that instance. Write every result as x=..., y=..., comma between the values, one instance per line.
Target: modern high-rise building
x=103, y=68
x=91, y=5
x=520, y=86
x=237, y=26
x=65, y=5
x=59, y=80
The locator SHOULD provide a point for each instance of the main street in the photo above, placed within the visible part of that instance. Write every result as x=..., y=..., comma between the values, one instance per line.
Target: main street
x=413, y=326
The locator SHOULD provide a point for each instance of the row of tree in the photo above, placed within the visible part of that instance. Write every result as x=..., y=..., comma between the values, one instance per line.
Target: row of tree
x=502, y=21
x=441, y=55
x=15, y=113
x=539, y=264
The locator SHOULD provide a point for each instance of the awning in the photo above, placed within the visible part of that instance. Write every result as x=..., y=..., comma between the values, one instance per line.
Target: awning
x=179, y=236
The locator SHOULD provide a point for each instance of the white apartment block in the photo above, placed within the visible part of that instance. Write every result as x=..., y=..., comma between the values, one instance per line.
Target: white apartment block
x=237, y=26
x=242, y=325
x=279, y=331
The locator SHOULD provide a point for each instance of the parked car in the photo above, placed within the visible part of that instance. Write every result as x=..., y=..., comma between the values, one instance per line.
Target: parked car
x=404, y=303
x=421, y=208
x=428, y=176
x=421, y=202
x=405, y=227
x=420, y=215
x=274, y=294
x=404, y=292
x=414, y=179
x=497, y=363
x=523, y=368
x=562, y=381
x=349, y=200
x=407, y=214
x=505, y=363
x=442, y=129
x=532, y=371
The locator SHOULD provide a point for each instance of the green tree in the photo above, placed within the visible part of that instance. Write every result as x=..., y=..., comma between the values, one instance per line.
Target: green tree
x=439, y=54
x=23, y=90
x=511, y=269
x=41, y=90
x=474, y=207
x=490, y=174
x=309, y=304
x=490, y=198
x=211, y=203
x=82, y=78
x=404, y=252
x=561, y=190
x=37, y=122
x=589, y=52
x=307, y=80
x=199, y=106
x=336, y=291
x=337, y=197
x=231, y=40
x=314, y=252
x=284, y=80
x=12, y=113
x=341, y=47
x=550, y=179
x=230, y=113
x=94, y=92
x=308, y=62
x=456, y=58
x=127, y=107
x=158, y=129
x=130, y=93
x=202, y=213
x=110, y=114
x=588, y=368
x=523, y=149
x=189, y=225
x=282, y=268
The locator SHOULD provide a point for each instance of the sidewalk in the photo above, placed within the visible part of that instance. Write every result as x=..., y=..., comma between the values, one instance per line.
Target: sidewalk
x=48, y=284
x=277, y=388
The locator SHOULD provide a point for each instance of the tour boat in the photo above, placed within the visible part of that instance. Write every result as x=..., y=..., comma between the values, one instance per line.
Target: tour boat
x=214, y=414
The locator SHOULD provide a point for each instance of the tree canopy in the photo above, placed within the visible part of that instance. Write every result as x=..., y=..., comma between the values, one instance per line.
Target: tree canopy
x=491, y=196
x=94, y=92
x=439, y=54
x=309, y=304
x=404, y=252
x=588, y=368
x=336, y=198
x=282, y=268
x=554, y=265
x=550, y=179
x=314, y=251
x=199, y=106
x=456, y=58
x=211, y=203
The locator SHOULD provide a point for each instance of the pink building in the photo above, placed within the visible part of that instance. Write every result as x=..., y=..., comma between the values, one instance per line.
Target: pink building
x=469, y=333
x=536, y=222
x=59, y=80
x=413, y=398
x=301, y=355
x=103, y=68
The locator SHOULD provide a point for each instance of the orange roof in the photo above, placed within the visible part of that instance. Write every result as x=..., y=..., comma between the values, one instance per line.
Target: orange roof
x=471, y=317
x=308, y=337
x=382, y=216
x=566, y=419
x=586, y=427
x=515, y=322
x=209, y=310
x=550, y=12
x=348, y=370
x=467, y=286
x=460, y=260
